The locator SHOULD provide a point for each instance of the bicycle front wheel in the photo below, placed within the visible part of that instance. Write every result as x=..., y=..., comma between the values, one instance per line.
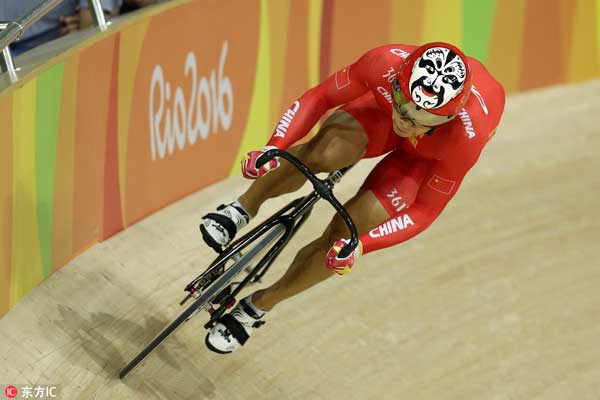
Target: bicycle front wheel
x=207, y=295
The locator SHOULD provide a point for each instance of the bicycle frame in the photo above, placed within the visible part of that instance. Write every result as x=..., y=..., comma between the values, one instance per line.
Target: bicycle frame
x=278, y=224
x=291, y=223
x=221, y=282
x=280, y=228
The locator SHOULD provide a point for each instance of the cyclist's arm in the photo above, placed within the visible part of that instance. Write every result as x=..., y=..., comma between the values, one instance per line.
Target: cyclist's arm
x=345, y=85
x=439, y=186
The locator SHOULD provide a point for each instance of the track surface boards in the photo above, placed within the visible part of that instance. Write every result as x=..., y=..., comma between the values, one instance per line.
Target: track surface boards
x=498, y=300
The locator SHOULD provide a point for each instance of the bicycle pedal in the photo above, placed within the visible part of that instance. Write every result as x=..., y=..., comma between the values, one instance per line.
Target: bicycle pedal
x=214, y=307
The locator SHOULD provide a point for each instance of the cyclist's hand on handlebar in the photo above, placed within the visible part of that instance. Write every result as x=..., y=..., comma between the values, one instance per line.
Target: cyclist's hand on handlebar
x=342, y=266
x=249, y=169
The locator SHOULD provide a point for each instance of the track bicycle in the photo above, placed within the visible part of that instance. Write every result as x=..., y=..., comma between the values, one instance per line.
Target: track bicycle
x=215, y=289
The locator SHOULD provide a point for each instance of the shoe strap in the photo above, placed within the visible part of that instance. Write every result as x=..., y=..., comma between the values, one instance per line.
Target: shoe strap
x=225, y=222
x=249, y=310
x=232, y=208
x=235, y=327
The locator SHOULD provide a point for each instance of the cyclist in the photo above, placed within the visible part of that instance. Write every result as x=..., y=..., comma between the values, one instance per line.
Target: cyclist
x=430, y=108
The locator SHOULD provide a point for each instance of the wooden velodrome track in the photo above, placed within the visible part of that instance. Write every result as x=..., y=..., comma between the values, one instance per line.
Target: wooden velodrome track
x=498, y=300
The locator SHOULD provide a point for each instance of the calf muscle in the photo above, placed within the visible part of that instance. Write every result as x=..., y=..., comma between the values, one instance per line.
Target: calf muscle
x=308, y=267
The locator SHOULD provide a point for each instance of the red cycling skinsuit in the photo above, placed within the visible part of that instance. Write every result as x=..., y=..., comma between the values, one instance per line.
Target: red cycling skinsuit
x=419, y=177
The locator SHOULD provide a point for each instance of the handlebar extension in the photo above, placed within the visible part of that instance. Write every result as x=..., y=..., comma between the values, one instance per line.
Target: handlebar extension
x=321, y=188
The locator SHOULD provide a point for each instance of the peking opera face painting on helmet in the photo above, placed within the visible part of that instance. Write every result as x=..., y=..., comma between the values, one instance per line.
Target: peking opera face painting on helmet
x=432, y=86
x=437, y=77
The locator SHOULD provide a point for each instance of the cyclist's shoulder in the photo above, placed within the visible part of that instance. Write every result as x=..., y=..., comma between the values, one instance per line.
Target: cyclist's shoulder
x=476, y=123
x=485, y=106
x=389, y=53
x=381, y=63
x=485, y=81
x=458, y=145
x=463, y=138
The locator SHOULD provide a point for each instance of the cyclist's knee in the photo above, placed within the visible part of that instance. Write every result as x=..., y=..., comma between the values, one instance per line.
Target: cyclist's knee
x=332, y=150
x=322, y=159
x=340, y=118
x=340, y=142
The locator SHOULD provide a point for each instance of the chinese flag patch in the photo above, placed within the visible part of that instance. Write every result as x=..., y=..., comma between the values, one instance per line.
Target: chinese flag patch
x=342, y=78
x=441, y=185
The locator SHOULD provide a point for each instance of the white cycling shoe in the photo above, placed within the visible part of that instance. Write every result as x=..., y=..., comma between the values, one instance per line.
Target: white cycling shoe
x=218, y=229
x=233, y=330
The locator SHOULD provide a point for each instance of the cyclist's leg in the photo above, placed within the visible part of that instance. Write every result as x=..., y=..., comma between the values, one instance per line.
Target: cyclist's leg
x=360, y=129
x=366, y=209
x=340, y=142
x=233, y=329
x=398, y=173
x=308, y=268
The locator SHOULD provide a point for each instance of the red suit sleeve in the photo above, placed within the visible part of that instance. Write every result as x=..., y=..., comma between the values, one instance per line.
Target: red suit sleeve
x=439, y=186
x=345, y=85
